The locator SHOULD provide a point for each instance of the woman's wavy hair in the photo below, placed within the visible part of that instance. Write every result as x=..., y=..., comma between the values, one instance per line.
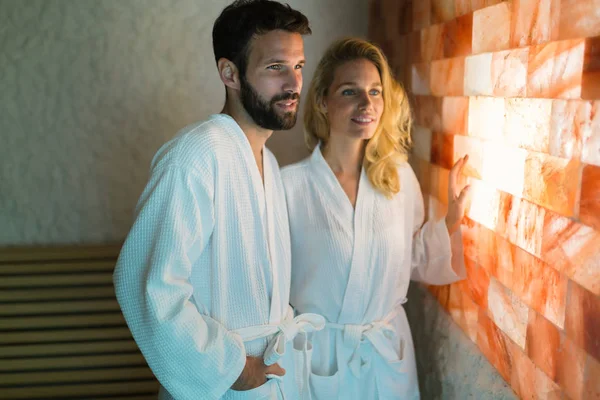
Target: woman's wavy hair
x=391, y=142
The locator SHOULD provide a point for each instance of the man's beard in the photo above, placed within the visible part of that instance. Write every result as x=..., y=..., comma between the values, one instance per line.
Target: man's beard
x=264, y=113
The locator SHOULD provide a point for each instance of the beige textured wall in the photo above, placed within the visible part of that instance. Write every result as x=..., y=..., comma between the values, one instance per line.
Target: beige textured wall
x=90, y=89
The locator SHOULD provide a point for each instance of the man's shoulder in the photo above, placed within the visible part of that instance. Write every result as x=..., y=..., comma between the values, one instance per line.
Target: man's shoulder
x=195, y=146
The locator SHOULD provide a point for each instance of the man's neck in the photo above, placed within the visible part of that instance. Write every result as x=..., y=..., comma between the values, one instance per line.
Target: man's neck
x=256, y=135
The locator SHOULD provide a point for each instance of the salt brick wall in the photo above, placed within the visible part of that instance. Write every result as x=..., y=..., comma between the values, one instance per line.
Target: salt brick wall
x=516, y=85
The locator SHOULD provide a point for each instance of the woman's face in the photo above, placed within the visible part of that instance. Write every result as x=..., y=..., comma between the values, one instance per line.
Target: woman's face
x=354, y=101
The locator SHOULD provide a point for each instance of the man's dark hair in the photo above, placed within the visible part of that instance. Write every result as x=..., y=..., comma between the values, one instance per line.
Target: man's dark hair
x=240, y=21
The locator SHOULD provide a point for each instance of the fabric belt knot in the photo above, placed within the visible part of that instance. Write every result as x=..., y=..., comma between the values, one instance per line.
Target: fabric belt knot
x=288, y=330
x=379, y=333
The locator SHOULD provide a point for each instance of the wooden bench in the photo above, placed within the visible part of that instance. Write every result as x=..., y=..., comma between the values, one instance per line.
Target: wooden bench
x=62, y=334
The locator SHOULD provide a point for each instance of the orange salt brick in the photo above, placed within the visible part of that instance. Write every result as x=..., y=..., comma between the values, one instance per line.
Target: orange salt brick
x=508, y=312
x=474, y=148
x=421, y=14
x=486, y=117
x=463, y=310
x=478, y=282
x=552, y=182
x=582, y=322
x=414, y=47
x=442, y=151
x=421, y=169
x=456, y=36
x=543, y=343
x=470, y=239
x=592, y=379
x=539, y=286
x=570, y=368
x=442, y=11
x=504, y=167
x=420, y=79
x=428, y=112
x=447, y=77
x=494, y=345
x=521, y=223
x=534, y=22
x=484, y=205
x=509, y=72
x=573, y=249
x=528, y=123
x=590, y=80
x=573, y=123
x=579, y=19
x=590, y=153
x=432, y=44
x=478, y=75
x=589, y=206
x=555, y=69
x=491, y=28
x=442, y=294
x=455, y=114
x=523, y=375
x=462, y=7
x=504, y=267
x=546, y=388
x=421, y=138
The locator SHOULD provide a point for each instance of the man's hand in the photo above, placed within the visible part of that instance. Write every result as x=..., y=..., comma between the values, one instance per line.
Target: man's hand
x=255, y=374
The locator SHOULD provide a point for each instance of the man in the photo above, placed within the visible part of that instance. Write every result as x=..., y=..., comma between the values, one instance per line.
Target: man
x=204, y=275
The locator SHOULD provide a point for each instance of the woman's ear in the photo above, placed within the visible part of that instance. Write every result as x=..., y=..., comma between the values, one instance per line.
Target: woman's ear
x=322, y=105
x=228, y=73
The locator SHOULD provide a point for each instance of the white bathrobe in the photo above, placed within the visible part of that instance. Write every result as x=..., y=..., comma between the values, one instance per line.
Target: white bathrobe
x=353, y=266
x=208, y=259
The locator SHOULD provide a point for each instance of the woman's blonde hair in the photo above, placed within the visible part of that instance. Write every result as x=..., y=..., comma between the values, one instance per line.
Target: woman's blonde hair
x=391, y=141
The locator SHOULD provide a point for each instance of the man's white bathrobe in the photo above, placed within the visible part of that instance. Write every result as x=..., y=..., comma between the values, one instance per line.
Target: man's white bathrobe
x=203, y=278
x=353, y=266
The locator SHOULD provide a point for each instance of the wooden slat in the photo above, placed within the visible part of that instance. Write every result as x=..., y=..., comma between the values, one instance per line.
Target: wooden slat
x=57, y=267
x=66, y=391
x=54, y=363
x=59, y=307
x=27, y=323
x=24, y=254
x=68, y=377
x=132, y=397
x=60, y=349
x=55, y=280
x=57, y=293
x=65, y=335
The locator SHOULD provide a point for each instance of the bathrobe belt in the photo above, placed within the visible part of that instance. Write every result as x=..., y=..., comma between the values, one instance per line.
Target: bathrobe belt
x=281, y=334
x=380, y=334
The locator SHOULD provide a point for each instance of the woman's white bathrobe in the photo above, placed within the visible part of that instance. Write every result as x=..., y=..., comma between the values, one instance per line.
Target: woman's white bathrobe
x=208, y=254
x=353, y=266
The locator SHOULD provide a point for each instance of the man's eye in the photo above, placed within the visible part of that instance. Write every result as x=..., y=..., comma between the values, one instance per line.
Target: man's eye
x=275, y=67
x=299, y=66
x=347, y=92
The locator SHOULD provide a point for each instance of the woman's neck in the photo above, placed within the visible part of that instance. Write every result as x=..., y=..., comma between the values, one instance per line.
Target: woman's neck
x=344, y=156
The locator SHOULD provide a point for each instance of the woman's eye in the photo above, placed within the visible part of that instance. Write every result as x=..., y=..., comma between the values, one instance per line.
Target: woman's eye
x=375, y=92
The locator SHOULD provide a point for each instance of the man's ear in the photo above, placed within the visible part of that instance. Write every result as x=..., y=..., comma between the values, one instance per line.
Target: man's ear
x=228, y=73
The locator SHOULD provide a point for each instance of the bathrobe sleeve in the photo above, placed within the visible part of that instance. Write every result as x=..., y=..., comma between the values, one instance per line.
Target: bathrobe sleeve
x=192, y=355
x=434, y=250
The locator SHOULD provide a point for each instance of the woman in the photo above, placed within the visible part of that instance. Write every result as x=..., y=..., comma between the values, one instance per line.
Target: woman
x=356, y=219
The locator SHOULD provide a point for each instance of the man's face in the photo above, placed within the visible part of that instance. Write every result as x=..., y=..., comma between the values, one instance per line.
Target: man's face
x=270, y=90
